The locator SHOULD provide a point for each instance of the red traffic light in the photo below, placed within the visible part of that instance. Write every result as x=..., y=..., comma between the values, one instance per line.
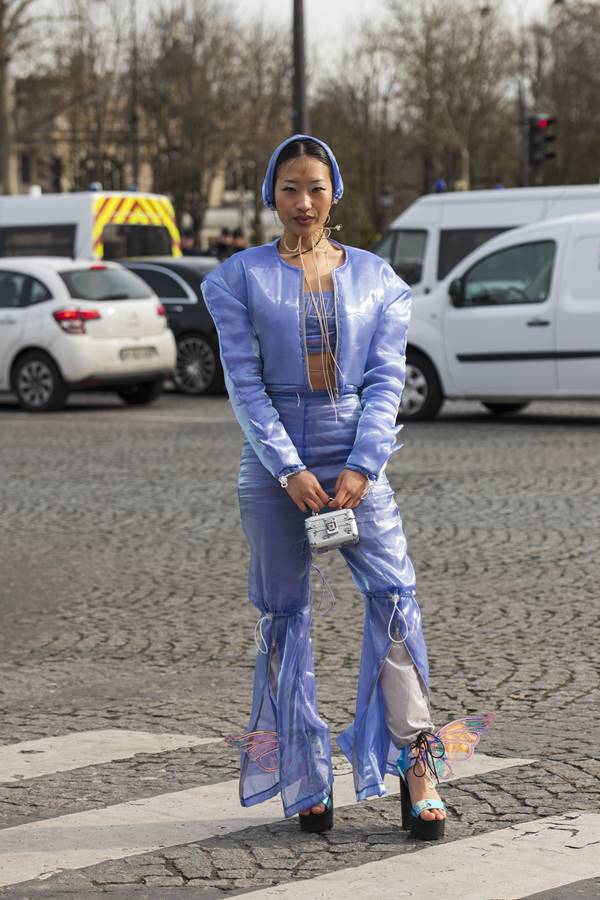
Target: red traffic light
x=542, y=133
x=543, y=122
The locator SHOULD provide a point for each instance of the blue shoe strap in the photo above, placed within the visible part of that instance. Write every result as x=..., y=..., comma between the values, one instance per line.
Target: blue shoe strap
x=327, y=803
x=420, y=805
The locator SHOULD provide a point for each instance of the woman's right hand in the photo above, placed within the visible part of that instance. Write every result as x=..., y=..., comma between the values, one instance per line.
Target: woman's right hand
x=306, y=492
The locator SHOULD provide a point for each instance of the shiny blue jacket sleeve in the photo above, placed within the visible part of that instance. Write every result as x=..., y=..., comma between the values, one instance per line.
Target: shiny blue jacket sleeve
x=383, y=382
x=226, y=299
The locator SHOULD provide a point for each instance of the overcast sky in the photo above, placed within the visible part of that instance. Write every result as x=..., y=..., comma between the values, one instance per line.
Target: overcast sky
x=325, y=16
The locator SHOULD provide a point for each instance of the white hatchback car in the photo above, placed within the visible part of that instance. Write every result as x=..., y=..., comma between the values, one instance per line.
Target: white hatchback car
x=69, y=325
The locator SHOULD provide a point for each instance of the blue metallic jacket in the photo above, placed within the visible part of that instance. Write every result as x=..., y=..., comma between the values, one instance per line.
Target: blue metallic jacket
x=255, y=300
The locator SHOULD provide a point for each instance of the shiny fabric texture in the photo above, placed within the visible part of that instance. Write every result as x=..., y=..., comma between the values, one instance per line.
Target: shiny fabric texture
x=267, y=188
x=279, y=586
x=255, y=299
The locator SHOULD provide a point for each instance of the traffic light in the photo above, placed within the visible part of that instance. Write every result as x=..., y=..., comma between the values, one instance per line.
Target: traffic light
x=542, y=134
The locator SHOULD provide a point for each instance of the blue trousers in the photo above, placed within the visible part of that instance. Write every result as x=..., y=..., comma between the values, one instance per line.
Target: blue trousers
x=279, y=586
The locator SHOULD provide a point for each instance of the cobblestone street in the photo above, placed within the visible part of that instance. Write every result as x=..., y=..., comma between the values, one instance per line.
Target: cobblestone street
x=122, y=587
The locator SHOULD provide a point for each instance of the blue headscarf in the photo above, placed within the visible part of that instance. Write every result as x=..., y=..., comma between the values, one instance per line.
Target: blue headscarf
x=267, y=188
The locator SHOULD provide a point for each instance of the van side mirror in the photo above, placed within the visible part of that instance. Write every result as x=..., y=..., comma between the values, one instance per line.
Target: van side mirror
x=457, y=292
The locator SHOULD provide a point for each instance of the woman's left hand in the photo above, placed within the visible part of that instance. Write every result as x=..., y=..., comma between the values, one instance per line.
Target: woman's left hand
x=350, y=489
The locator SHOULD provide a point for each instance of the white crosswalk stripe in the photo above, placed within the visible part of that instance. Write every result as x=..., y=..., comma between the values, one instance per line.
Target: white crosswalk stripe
x=508, y=864
x=39, y=849
x=30, y=759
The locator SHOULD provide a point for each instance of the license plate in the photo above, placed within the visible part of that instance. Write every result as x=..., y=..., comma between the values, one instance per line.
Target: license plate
x=137, y=353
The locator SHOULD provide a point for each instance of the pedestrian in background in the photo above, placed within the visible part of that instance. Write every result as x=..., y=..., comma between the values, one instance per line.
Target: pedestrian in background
x=224, y=245
x=239, y=241
x=313, y=338
x=188, y=244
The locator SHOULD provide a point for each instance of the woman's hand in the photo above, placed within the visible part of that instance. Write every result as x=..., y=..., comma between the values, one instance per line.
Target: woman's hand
x=350, y=488
x=306, y=492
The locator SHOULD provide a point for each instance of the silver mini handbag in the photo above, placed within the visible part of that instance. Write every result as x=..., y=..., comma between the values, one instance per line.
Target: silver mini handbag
x=331, y=529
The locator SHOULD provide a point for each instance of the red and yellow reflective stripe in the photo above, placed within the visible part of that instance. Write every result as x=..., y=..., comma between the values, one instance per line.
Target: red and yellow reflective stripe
x=131, y=209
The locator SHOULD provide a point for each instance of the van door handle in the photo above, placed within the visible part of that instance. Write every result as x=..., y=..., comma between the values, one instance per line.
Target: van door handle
x=8, y=321
x=537, y=322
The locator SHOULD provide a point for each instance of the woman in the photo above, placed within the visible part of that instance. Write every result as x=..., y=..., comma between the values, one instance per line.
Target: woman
x=312, y=338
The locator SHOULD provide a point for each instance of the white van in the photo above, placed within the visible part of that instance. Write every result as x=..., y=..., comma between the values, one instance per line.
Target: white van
x=89, y=225
x=438, y=230
x=517, y=320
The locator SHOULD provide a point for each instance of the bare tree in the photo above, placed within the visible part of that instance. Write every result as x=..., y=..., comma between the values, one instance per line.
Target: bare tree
x=189, y=99
x=95, y=64
x=455, y=60
x=263, y=80
x=15, y=24
x=75, y=105
x=357, y=109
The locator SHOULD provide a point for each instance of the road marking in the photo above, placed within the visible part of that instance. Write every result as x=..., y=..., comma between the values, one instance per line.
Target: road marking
x=30, y=759
x=41, y=849
x=500, y=865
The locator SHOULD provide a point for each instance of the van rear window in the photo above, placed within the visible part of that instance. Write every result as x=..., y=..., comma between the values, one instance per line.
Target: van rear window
x=456, y=243
x=105, y=284
x=136, y=240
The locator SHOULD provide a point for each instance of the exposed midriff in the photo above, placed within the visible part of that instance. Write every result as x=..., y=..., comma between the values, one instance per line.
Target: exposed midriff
x=318, y=364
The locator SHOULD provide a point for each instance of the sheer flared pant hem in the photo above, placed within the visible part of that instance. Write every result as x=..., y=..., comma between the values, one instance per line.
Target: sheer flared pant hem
x=392, y=700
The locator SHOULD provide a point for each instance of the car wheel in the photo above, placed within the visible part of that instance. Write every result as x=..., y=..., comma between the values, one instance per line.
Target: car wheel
x=504, y=409
x=422, y=396
x=38, y=384
x=198, y=368
x=140, y=394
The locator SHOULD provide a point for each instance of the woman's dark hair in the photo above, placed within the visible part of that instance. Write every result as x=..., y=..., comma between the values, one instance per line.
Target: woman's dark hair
x=301, y=148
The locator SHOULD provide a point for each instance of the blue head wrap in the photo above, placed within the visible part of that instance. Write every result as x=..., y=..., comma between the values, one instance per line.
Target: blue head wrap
x=267, y=188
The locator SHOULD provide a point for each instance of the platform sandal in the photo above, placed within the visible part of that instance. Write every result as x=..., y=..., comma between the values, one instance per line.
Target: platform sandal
x=315, y=823
x=418, y=757
x=429, y=757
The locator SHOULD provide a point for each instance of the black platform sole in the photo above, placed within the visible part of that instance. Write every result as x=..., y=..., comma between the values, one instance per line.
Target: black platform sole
x=315, y=823
x=420, y=829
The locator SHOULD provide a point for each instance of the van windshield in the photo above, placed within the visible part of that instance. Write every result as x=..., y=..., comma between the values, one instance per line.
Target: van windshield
x=404, y=249
x=103, y=283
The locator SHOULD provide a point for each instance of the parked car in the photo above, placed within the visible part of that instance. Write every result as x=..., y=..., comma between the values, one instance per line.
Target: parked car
x=177, y=284
x=437, y=231
x=68, y=325
x=517, y=320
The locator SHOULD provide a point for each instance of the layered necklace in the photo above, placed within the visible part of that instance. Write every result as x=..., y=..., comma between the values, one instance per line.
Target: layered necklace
x=319, y=306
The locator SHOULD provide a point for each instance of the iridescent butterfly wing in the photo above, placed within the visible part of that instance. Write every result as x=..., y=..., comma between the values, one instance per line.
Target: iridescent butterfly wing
x=460, y=738
x=260, y=746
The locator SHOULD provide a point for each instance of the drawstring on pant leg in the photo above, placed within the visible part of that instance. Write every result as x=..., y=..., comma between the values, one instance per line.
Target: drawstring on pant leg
x=397, y=609
x=259, y=638
x=397, y=598
x=324, y=586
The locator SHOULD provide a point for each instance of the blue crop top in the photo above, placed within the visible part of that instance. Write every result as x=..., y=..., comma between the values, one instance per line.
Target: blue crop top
x=314, y=340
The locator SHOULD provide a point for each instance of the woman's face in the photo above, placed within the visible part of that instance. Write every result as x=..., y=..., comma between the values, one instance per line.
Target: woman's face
x=303, y=195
